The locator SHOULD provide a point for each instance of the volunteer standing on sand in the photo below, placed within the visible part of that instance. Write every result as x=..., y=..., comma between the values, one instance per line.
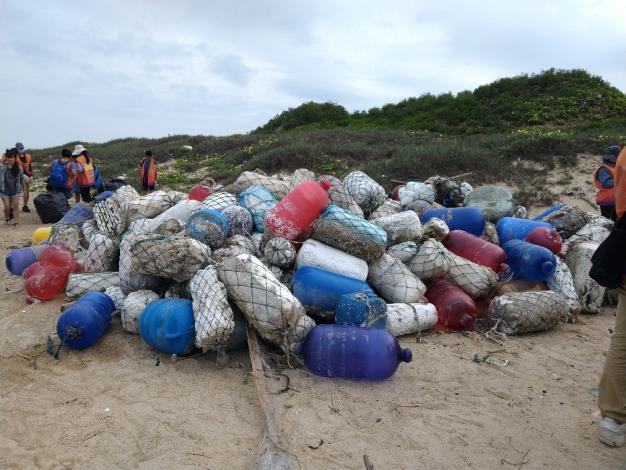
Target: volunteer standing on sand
x=11, y=184
x=148, y=172
x=612, y=398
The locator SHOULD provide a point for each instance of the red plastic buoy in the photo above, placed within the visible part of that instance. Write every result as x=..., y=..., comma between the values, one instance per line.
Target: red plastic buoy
x=547, y=237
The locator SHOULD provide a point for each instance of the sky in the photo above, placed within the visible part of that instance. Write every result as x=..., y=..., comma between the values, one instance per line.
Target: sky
x=95, y=71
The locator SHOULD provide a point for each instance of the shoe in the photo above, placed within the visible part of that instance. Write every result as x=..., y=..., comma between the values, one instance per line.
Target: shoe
x=25, y=209
x=612, y=433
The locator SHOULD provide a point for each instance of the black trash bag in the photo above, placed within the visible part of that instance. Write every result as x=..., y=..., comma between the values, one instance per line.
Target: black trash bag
x=115, y=184
x=51, y=206
x=608, y=263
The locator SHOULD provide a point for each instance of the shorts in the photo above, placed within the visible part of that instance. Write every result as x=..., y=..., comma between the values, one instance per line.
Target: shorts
x=9, y=196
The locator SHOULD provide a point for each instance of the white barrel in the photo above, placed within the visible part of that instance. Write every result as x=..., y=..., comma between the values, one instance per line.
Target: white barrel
x=320, y=255
x=408, y=319
x=181, y=211
x=134, y=305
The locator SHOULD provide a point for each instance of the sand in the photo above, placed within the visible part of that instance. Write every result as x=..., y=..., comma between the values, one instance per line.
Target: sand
x=120, y=404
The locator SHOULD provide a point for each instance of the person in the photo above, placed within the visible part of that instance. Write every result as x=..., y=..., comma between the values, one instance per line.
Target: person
x=148, y=171
x=52, y=205
x=612, y=388
x=11, y=186
x=62, y=173
x=86, y=179
x=24, y=160
x=604, y=179
x=74, y=169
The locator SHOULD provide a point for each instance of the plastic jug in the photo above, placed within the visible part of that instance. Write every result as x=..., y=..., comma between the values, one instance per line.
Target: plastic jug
x=208, y=226
x=547, y=237
x=199, y=192
x=167, y=325
x=512, y=228
x=319, y=290
x=529, y=261
x=40, y=234
x=45, y=282
x=78, y=215
x=468, y=219
x=295, y=213
x=18, y=260
x=57, y=255
x=455, y=309
x=258, y=200
x=475, y=249
x=85, y=321
x=361, y=309
x=350, y=352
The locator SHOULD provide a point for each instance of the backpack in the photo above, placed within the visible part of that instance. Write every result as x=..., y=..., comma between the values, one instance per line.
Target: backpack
x=607, y=263
x=58, y=175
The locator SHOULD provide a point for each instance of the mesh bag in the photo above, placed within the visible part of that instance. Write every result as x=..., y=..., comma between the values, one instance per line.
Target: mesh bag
x=117, y=296
x=268, y=305
x=131, y=281
x=444, y=186
x=170, y=228
x=219, y=200
x=526, y=312
x=280, y=252
x=350, y=233
x=562, y=282
x=102, y=254
x=140, y=226
x=367, y=193
x=590, y=293
x=415, y=191
x=125, y=193
x=81, y=283
x=490, y=233
x=472, y=278
x=234, y=246
x=319, y=255
x=408, y=319
x=213, y=318
x=404, y=251
x=134, y=304
x=300, y=176
x=465, y=189
x=110, y=216
x=435, y=228
x=431, y=261
x=89, y=228
x=151, y=205
x=400, y=227
x=567, y=220
x=174, y=258
x=239, y=220
x=208, y=227
x=493, y=201
x=389, y=207
x=249, y=178
x=590, y=232
x=339, y=195
x=394, y=281
x=68, y=235
x=419, y=207
x=257, y=241
x=597, y=219
x=258, y=200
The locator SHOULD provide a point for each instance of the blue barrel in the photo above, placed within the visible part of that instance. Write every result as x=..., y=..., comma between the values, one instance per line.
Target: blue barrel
x=103, y=195
x=258, y=200
x=167, y=325
x=361, y=309
x=18, y=260
x=353, y=353
x=469, y=219
x=85, y=321
x=548, y=211
x=532, y=262
x=78, y=215
x=512, y=228
x=208, y=226
x=319, y=290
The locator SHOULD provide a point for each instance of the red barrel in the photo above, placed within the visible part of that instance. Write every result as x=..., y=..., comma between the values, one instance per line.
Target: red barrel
x=456, y=310
x=395, y=193
x=547, y=237
x=198, y=192
x=475, y=249
x=293, y=216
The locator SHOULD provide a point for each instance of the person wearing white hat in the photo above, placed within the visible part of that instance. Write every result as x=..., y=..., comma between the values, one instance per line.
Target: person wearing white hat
x=86, y=181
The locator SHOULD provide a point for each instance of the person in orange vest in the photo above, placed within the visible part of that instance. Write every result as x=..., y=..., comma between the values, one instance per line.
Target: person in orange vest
x=604, y=179
x=24, y=160
x=148, y=171
x=612, y=388
x=86, y=179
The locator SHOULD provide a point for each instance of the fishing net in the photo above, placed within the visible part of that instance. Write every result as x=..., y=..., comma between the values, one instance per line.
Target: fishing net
x=257, y=240
x=389, y=207
x=234, y=246
x=394, y=281
x=249, y=178
x=436, y=229
x=300, y=176
x=68, y=235
x=319, y=255
x=527, y=312
x=408, y=319
x=490, y=233
x=367, y=193
x=110, y=216
x=170, y=257
x=125, y=193
x=590, y=232
x=567, y=220
x=171, y=228
x=415, y=191
x=562, y=282
x=596, y=219
x=219, y=200
x=81, y=283
x=590, y=293
x=258, y=200
x=134, y=304
x=280, y=252
x=89, y=228
x=213, y=318
x=431, y=261
x=102, y=254
x=239, y=220
x=404, y=251
x=132, y=281
x=181, y=211
x=151, y=205
x=447, y=191
x=207, y=226
x=340, y=196
x=472, y=278
x=347, y=232
x=117, y=296
x=268, y=305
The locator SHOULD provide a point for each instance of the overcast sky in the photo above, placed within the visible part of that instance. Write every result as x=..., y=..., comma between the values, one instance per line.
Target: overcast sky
x=94, y=71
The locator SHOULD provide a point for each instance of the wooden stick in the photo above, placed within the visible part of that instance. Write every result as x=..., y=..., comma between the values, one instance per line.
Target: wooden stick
x=454, y=177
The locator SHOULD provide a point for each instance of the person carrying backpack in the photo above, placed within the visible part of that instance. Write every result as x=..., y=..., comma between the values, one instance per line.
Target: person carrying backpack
x=148, y=172
x=604, y=179
x=86, y=176
x=11, y=186
x=60, y=172
x=24, y=160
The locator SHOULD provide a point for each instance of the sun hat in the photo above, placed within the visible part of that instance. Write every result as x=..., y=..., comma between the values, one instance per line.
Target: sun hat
x=19, y=146
x=78, y=149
